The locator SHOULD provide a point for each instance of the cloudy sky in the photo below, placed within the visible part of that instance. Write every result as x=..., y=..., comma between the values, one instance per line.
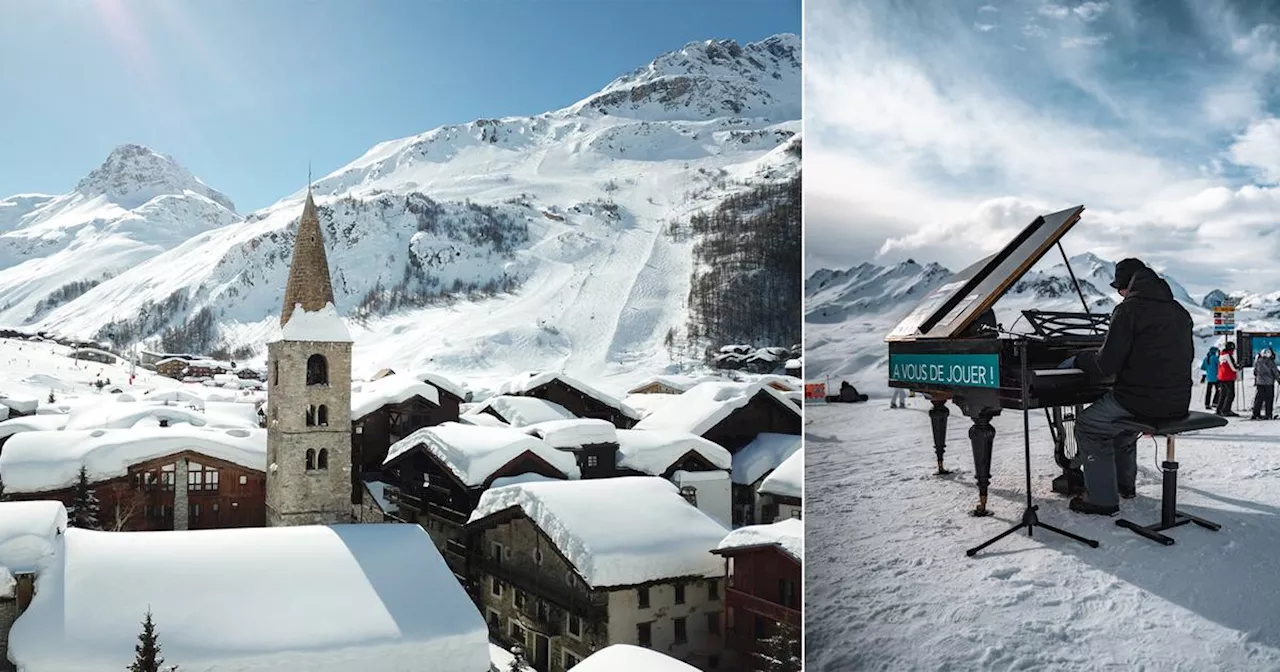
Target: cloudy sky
x=937, y=130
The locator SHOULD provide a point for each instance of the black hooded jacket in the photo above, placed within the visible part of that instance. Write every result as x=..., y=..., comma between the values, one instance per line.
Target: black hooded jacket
x=1148, y=349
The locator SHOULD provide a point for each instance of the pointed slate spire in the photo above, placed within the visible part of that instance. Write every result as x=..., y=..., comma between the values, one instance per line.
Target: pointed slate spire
x=309, y=284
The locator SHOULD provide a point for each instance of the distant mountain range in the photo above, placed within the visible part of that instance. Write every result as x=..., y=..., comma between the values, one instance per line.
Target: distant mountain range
x=848, y=313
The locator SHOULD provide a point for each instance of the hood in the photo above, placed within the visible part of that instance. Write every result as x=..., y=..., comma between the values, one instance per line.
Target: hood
x=1147, y=285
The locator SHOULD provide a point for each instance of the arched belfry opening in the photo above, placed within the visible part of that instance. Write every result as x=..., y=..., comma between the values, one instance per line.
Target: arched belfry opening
x=317, y=370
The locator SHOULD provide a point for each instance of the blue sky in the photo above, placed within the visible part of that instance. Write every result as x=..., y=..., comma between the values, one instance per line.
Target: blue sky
x=961, y=121
x=243, y=93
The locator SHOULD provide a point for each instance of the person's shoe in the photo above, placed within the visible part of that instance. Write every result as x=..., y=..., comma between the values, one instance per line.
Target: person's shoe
x=1128, y=493
x=1080, y=506
x=1231, y=414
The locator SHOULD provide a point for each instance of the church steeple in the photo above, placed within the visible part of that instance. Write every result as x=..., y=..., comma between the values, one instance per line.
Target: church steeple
x=309, y=284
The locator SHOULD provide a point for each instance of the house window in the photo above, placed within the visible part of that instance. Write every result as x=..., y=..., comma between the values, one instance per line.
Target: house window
x=644, y=633
x=517, y=635
x=642, y=594
x=311, y=416
x=570, y=660
x=519, y=598
x=713, y=622
x=575, y=625
x=210, y=478
x=166, y=477
x=537, y=556
x=244, y=480
x=713, y=590
x=495, y=586
x=495, y=621
x=679, y=593
x=495, y=552
x=214, y=511
x=311, y=459
x=322, y=460
x=592, y=461
x=317, y=370
x=275, y=372
x=322, y=416
x=682, y=630
x=786, y=593
x=195, y=512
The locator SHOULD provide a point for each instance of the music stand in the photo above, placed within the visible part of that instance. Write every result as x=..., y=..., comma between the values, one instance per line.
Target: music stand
x=1030, y=520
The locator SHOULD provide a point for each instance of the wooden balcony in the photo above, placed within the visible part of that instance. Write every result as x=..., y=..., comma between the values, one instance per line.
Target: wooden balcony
x=771, y=610
x=546, y=588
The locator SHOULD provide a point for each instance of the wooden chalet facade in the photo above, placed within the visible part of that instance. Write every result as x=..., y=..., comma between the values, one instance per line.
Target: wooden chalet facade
x=373, y=433
x=578, y=402
x=763, y=598
x=428, y=492
x=531, y=595
x=219, y=494
x=764, y=413
x=172, y=367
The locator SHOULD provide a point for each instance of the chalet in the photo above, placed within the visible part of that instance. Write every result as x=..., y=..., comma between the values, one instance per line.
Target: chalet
x=246, y=373
x=781, y=491
x=151, y=360
x=751, y=466
x=385, y=410
x=580, y=399
x=565, y=568
x=782, y=383
x=172, y=367
x=452, y=395
x=29, y=537
x=594, y=443
x=665, y=385
x=437, y=475
x=156, y=478
x=20, y=406
x=94, y=355
x=312, y=597
x=698, y=467
x=730, y=414
x=521, y=411
x=202, y=369
x=763, y=599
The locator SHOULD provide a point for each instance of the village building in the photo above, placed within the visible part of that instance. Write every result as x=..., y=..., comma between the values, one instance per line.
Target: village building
x=173, y=477
x=582, y=400
x=94, y=355
x=311, y=477
x=667, y=385
x=315, y=598
x=730, y=414
x=172, y=367
x=593, y=443
x=387, y=409
x=204, y=369
x=566, y=568
x=698, y=467
x=437, y=475
x=19, y=405
x=29, y=536
x=751, y=466
x=149, y=359
x=247, y=373
x=31, y=423
x=781, y=491
x=518, y=411
x=763, y=600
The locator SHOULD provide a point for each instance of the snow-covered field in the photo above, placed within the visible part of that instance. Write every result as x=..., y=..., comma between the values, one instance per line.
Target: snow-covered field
x=890, y=586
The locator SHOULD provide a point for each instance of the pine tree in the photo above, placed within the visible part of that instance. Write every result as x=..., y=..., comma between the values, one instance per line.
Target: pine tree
x=83, y=512
x=147, y=650
x=779, y=652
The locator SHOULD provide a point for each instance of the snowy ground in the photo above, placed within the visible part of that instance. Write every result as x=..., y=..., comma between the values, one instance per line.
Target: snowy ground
x=895, y=591
x=33, y=368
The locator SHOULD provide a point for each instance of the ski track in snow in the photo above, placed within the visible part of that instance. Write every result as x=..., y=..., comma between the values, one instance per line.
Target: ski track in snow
x=890, y=586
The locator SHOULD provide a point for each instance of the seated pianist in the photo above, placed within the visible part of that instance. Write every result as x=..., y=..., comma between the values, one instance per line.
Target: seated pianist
x=1149, y=351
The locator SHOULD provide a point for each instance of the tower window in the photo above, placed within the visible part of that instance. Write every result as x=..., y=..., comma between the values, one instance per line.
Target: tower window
x=317, y=370
x=311, y=416
x=311, y=459
x=322, y=416
x=322, y=461
x=275, y=372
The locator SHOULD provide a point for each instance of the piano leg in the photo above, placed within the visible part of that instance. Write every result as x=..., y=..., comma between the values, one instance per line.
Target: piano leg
x=982, y=436
x=938, y=418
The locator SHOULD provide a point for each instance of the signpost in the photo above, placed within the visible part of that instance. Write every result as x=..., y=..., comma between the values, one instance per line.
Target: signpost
x=981, y=370
x=1224, y=319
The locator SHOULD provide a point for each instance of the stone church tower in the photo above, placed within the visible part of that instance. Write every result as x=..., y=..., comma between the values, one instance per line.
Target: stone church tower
x=309, y=480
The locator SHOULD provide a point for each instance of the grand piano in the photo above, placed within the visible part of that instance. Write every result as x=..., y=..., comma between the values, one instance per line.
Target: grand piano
x=950, y=348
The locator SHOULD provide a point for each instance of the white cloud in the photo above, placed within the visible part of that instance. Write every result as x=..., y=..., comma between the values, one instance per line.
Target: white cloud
x=1259, y=47
x=984, y=27
x=1259, y=148
x=988, y=8
x=1054, y=11
x=1082, y=41
x=1089, y=11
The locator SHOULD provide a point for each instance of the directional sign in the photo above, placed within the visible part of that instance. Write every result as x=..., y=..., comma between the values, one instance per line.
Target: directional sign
x=1224, y=319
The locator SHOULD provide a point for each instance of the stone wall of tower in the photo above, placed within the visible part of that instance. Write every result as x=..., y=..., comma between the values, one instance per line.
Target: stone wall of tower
x=296, y=495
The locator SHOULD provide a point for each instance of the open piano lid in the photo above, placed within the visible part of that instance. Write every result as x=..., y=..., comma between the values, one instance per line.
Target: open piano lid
x=951, y=308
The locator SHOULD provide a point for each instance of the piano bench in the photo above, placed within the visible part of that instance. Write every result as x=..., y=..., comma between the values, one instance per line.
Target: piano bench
x=1170, y=516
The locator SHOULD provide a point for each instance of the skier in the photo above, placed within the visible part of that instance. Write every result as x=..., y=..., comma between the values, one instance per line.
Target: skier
x=1209, y=376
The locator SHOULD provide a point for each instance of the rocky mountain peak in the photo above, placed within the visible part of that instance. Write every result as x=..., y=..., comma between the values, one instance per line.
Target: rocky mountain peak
x=133, y=174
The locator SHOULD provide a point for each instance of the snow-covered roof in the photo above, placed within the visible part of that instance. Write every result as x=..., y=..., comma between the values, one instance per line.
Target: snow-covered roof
x=43, y=461
x=790, y=382
x=168, y=360
x=706, y=404
x=20, y=403
x=177, y=395
x=630, y=658
x=316, y=598
x=788, y=479
x=28, y=535
x=442, y=382
x=367, y=397
x=617, y=531
x=324, y=325
x=33, y=423
x=574, y=433
x=653, y=451
x=481, y=420
x=787, y=535
x=675, y=382
x=764, y=454
x=529, y=381
x=110, y=415
x=474, y=453
x=647, y=403
x=524, y=411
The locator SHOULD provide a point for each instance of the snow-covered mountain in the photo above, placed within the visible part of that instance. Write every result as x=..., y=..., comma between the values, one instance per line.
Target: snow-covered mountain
x=499, y=245
x=849, y=313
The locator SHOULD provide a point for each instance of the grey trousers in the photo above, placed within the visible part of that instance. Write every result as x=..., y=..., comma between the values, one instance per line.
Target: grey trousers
x=1108, y=455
